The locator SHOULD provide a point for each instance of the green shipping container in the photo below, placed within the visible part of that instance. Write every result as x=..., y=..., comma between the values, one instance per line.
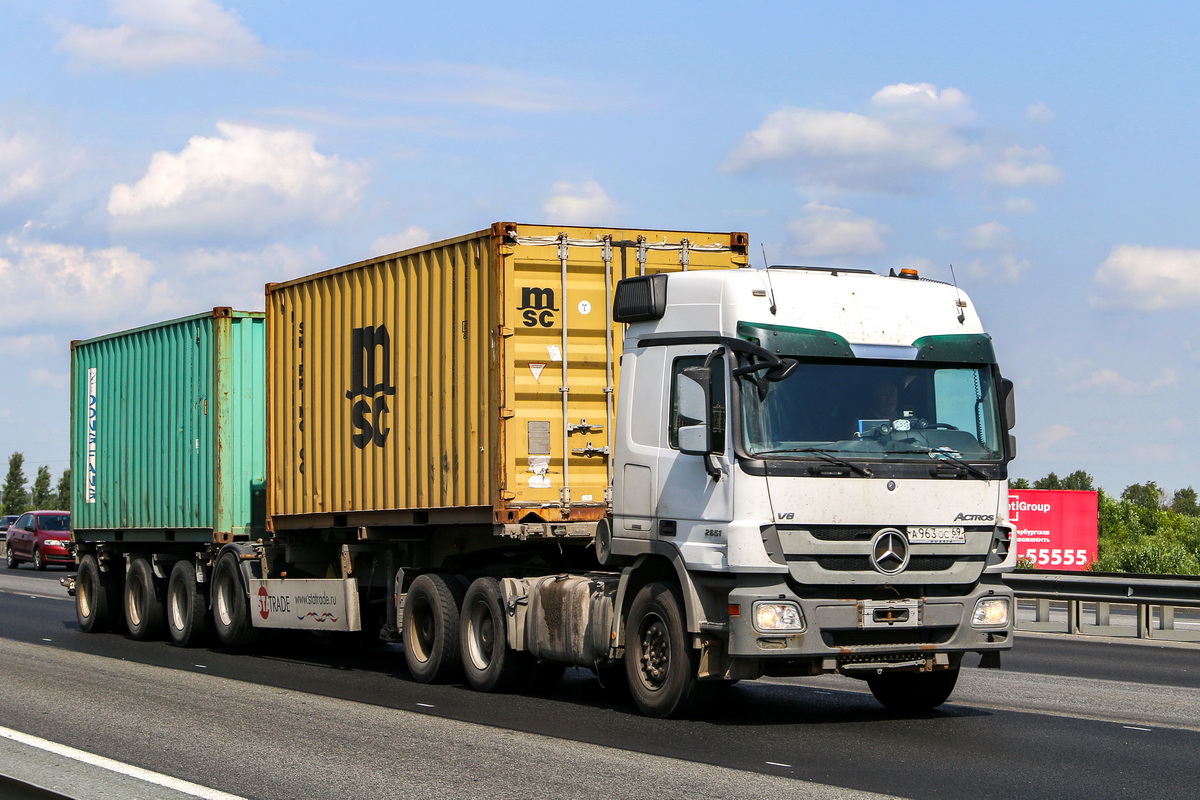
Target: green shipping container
x=167, y=431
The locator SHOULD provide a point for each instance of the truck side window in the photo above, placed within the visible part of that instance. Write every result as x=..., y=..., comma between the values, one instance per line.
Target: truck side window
x=679, y=419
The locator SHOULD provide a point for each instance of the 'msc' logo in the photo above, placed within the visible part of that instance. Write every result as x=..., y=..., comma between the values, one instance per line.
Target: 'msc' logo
x=537, y=306
x=371, y=383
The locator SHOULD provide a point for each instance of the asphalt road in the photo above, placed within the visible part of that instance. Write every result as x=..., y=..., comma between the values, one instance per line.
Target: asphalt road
x=301, y=717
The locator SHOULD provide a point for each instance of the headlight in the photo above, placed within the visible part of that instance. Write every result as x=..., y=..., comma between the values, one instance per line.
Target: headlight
x=990, y=612
x=778, y=617
x=56, y=543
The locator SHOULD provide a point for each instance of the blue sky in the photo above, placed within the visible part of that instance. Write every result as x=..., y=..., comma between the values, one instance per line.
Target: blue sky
x=160, y=157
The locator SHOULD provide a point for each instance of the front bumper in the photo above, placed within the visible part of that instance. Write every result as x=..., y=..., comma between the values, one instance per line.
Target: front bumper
x=849, y=633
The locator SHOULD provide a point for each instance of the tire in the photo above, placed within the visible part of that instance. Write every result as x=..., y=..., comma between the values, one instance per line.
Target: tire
x=231, y=604
x=97, y=596
x=660, y=664
x=38, y=563
x=913, y=692
x=10, y=558
x=144, y=609
x=187, y=607
x=489, y=664
x=430, y=629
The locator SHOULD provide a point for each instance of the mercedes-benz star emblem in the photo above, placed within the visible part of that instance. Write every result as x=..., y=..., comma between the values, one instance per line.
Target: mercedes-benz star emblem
x=889, y=551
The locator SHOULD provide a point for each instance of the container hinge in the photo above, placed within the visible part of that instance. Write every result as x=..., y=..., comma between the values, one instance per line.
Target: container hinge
x=583, y=426
x=590, y=451
x=685, y=257
x=507, y=413
x=564, y=496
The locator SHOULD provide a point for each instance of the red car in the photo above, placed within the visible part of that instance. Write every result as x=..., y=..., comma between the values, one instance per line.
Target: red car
x=41, y=537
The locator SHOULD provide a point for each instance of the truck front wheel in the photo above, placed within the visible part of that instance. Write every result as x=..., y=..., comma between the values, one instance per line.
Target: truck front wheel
x=913, y=692
x=659, y=663
x=430, y=628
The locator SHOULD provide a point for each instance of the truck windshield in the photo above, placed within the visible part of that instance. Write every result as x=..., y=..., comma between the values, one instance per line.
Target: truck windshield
x=878, y=410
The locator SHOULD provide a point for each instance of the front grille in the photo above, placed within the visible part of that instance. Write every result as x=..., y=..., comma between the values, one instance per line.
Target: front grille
x=863, y=563
x=842, y=533
x=887, y=637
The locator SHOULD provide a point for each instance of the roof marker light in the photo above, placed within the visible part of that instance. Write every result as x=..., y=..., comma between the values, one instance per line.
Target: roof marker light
x=910, y=274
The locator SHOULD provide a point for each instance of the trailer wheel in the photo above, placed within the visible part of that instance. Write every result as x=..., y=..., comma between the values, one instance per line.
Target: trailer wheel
x=187, y=608
x=660, y=664
x=97, y=596
x=143, y=605
x=231, y=604
x=913, y=692
x=489, y=663
x=430, y=628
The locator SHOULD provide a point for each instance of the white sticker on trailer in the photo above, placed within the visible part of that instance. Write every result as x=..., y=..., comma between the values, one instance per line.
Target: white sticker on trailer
x=305, y=603
x=90, y=478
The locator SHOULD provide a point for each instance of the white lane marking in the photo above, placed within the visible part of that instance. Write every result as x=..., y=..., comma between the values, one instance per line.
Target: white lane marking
x=777, y=764
x=158, y=779
x=424, y=705
x=1135, y=728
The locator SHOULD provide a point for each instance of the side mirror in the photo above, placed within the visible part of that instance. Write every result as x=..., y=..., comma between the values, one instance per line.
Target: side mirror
x=1007, y=393
x=693, y=440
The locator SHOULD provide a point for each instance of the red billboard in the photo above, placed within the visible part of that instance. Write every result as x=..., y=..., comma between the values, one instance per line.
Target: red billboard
x=1055, y=529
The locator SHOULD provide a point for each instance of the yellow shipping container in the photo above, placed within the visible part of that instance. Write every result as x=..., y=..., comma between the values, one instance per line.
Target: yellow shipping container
x=445, y=383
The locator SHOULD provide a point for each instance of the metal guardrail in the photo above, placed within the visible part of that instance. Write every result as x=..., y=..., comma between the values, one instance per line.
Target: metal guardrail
x=1099, y=591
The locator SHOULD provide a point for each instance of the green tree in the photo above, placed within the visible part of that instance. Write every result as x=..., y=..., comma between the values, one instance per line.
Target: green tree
x=62, y=492
x=1146, y=495
x=41, y=496
x=1185, y=503
x=13, y=497
x=1051, y=481
x=1019, y=483
x=1078, y=481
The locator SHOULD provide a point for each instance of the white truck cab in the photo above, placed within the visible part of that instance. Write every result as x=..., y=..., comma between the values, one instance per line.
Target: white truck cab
x=830, y=485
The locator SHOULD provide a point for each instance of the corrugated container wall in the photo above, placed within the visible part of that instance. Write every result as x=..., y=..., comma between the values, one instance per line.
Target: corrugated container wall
x=446, y=382
x=168, y=429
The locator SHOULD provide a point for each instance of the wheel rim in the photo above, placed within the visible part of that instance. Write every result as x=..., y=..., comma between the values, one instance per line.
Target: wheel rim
x=224, y=605
x=178, y=613
x=37, y=558
x=654, y=659
x=481, y=636
x=422, y=631
x=134, y=600
x=84, y=590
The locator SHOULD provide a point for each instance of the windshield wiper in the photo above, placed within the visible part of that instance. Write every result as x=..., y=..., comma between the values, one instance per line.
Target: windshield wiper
x=820, y=452
x=944, y=457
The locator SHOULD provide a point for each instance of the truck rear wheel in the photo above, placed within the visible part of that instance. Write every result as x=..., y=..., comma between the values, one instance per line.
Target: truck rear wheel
x=660, y=664
x=489, y=663
x=231, y=604
x=430, y=628
x=187, y=608
x=143, y=605
x=913, y=692
x=97, y=596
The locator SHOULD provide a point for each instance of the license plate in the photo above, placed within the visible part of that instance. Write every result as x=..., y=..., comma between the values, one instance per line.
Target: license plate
x=937, y=534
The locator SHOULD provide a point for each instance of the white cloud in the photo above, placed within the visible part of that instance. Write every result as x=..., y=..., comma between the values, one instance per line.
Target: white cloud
x=53, y=380
x=1109, y=381
x=898, y=148
x=153, y=34
x=921, y=97
x=1022, y=166
x=248, y=181
x=579, y=204
x=1007, y=268
x=1039, y=113
x=237, y=277
x=988, y=236
x=1020, y=206
x=22, y=171
x=831, y=231
x=411, y=236
x=1148, y=279
x=86, y=288
x=25, y=345
x=1051, y=436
